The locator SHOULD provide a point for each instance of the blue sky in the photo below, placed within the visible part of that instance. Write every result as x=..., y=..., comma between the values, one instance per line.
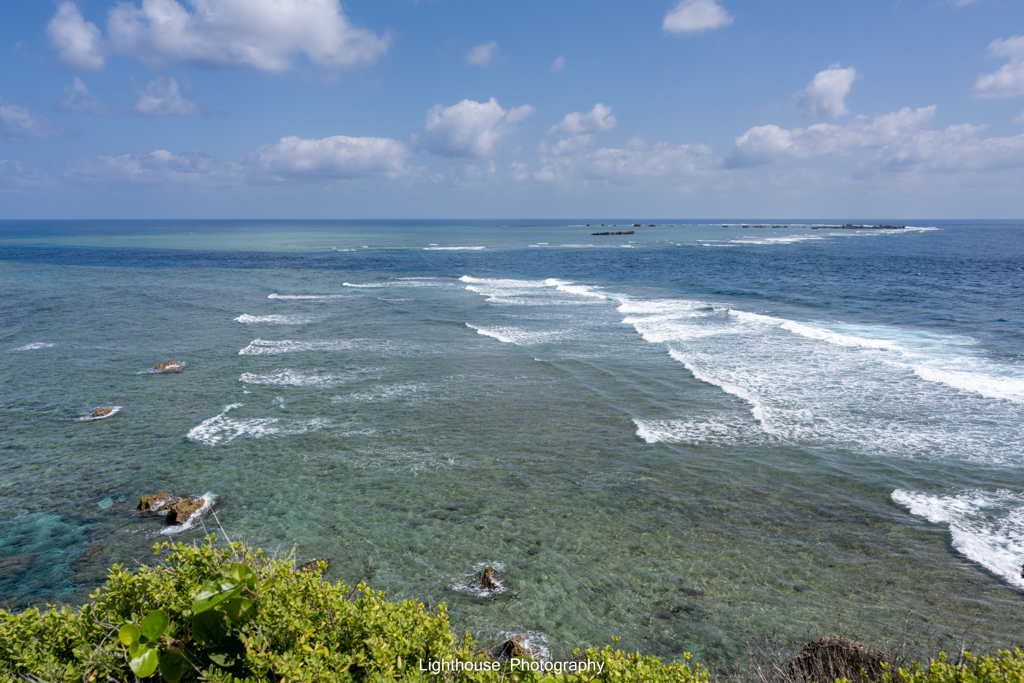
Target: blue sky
x=451, y=108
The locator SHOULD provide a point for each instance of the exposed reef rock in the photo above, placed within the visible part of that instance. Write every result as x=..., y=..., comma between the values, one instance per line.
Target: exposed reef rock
x=621, y=232
x=514, y=647
x=159, y=502
x=170, y=366
x=314, y=566
x=102, y=412
x=850, y=226
x=183, y=509
x=835, y=657
x=490, y=579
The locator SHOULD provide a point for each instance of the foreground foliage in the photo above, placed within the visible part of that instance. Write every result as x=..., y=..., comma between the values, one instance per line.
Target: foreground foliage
x=233, y=614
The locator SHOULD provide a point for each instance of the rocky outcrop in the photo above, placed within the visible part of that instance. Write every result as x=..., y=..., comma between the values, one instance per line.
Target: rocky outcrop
x=180, y=512
x=515, y=647
x=835, y=657
x=490, y=579
x=314, y=566
x=621, y=232
x=170, y=366
x=160, y=502
x=102, y=412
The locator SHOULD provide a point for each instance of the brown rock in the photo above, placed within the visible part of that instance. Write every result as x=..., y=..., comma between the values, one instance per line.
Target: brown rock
x=170, y=366
x=489, y=579
x=183, y=509
x=835, y=657
x=514, y=647
x=101, y=412
x=314, y=566
x=161, y=501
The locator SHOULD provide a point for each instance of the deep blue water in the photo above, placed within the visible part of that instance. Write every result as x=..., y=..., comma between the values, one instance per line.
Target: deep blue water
x=686, y=437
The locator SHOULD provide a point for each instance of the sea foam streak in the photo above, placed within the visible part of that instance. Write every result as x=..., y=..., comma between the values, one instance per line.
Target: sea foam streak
x=307, y=296
x=987, y=528
x=516, y=335
x=453, y=248
x=222, y=429
x=296, y=379
x=264, y=347
x=276, y=319
x=34, y=345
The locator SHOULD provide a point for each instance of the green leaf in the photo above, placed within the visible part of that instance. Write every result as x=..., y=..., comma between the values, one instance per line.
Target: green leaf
x=209, y=627
x=229, y=654
x=154, y=625
x=128, y=634
x=239, y=610
x=214, y=592
x=172, y=665
x=145, y=661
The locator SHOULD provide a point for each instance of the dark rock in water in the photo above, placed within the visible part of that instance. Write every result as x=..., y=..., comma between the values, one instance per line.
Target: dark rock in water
x=314, y=566
x=159, y=502
x=637, y=225
x=170, y=366
x=490, y=579
x=183, y=509
x=801, y=588
x=514, y=648
x=9, y=566
x=835, y=657
x=102, y=412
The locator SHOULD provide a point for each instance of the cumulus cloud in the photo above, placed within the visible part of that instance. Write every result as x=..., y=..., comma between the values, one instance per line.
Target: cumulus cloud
x=20, y=124
x=470, y=129
x=160, y=167
x=825, y=95
x=956, y=149
x=163, y=97
x=78, y=42
x=337, y=157
x=597, y=119
x=481, y=55
x=696, y=16
x=75, y=96
x=1009, y=80
x=263, y=34
x=558, y=64
x=765, y=144
x=572, y=161
x=14, y=175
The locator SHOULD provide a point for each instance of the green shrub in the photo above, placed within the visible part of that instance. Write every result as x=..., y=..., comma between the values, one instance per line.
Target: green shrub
x=233, y=614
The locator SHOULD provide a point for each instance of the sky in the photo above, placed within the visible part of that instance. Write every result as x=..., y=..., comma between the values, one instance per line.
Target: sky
x=478, y=109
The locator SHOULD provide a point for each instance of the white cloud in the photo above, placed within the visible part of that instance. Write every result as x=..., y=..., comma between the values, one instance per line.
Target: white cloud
x=78, y=42
x=337, y=157
x=20, y=124
x=160, y=167
x=954, y=150
x=469, y=128
x=695, y=16
x=826, y=93
x=597, y=119
x=163, y=97
x=962, y=3
x=1018, y=119
x=571, y=162
x=264, y=34
x=558, y=64
x=481, y=55
x=75, y=96
x=1009, y=80
x=14, y=175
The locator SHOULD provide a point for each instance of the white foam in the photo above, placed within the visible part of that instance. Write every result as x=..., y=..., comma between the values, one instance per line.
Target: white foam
x=222, y=429
x=816, y=333
x=306, y=296
x=730, y=387
x=264, y=347
x=691, y=431
x=453, y=248
x=370, y=284
x=114, y=410
x=381, y=393
x=986, y=528
x=786, y=239
x=296, y=379
x=34, y=345
x=534, y=641
x=464, y=583
x=195, y=520
x=276, y=319
x=517, y=335
x=1010, y=388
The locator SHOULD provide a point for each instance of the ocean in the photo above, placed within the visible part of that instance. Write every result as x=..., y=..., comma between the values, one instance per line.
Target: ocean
x=690, y=437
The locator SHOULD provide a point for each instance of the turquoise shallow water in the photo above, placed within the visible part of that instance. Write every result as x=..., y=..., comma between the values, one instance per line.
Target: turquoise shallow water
x=685, y=438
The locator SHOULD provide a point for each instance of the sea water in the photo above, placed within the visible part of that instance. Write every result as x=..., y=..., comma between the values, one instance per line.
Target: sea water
x=688, y=437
